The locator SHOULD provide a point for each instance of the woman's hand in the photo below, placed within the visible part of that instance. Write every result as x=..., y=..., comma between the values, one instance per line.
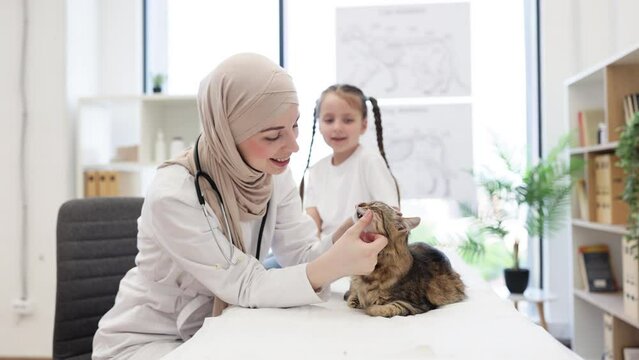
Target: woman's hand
x=354, y=253
x=357, y=250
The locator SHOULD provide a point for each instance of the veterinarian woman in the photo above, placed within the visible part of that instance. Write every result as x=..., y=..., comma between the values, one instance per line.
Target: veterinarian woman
x=198, y=253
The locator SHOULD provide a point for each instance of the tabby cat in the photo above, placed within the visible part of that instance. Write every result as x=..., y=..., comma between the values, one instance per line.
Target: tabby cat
x=408, y=279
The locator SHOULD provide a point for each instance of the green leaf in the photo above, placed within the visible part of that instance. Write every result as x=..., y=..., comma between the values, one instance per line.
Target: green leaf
x=628, y=153
x=541, y=190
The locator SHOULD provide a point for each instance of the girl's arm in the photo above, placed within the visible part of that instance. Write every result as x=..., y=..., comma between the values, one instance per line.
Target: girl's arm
x=313, y=213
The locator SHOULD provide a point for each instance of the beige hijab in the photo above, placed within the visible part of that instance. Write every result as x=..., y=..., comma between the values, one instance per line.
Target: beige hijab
x=240, y=97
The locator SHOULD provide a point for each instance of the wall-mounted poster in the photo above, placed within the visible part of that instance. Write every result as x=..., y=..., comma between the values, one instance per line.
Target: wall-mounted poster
x=405, y=51
x=429, y=149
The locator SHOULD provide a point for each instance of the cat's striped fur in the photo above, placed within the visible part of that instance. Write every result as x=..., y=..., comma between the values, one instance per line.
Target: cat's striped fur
x=408, y=279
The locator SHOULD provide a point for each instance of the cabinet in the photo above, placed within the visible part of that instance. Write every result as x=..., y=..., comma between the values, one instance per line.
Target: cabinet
x=601, y=87
x=117, y=136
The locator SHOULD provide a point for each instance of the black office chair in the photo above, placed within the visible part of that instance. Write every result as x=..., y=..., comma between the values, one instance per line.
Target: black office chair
x=96, y=246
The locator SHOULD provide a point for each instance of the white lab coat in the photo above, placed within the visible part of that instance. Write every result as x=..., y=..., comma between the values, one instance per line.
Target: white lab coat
x=166, y=297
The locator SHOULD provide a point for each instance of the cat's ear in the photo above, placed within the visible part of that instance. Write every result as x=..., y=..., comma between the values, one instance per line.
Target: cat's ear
x=412, y=222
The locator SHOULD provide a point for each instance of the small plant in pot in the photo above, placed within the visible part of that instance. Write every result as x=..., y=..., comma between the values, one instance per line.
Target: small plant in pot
x=158, y=83
x=534, y=199
x=628, y=153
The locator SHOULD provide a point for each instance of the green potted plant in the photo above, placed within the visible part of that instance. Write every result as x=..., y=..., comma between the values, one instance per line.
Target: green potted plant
x=628, y=153
x=158, y=83
x=535, y=198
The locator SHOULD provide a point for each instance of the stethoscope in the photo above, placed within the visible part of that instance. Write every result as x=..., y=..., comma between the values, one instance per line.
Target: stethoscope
x=200, y=198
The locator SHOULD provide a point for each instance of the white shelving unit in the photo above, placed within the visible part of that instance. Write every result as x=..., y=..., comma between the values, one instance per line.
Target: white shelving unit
x=602, y=86
x=105, y=124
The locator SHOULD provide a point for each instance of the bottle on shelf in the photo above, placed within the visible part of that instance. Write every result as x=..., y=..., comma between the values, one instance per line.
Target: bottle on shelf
x=177, y=146
x=602, y=133
x=160, y=147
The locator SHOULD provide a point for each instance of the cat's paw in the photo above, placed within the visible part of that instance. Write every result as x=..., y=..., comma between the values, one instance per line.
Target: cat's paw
x=353, y=302
x=381, y=310
x=388, y=310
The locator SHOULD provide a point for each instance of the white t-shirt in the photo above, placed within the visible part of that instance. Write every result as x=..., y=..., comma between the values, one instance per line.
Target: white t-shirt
x=336, y=190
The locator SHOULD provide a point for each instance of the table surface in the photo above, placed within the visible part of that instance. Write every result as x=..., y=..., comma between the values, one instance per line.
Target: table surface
x=533, y=295
x=484, y=326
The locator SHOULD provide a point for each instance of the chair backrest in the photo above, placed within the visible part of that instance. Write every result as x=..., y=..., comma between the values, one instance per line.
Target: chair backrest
x=96, y=246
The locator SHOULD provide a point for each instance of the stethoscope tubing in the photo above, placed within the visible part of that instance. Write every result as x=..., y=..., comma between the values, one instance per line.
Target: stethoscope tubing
x=199, y=173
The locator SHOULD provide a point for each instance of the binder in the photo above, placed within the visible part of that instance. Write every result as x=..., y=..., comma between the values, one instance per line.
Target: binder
x=630, y=267
x=608, y=322
x=90, y=183
x=618, y=335
x=103, y=183
x=113, y=183
x=609, y=187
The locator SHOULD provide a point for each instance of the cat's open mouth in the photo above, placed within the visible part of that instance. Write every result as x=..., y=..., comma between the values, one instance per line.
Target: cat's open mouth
x=367, y=236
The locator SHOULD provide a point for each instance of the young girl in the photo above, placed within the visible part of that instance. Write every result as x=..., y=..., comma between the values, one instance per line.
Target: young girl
x=353, y=173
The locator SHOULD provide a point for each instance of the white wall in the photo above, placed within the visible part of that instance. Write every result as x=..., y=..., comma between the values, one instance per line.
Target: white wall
x=575, y=35
x=104, y=48
x=120, y=46
x=76, y=48
x=48, y=160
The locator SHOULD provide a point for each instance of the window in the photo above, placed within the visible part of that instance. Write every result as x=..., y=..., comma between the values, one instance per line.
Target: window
x=490, y=83
x=186, y=39
x=496, y=98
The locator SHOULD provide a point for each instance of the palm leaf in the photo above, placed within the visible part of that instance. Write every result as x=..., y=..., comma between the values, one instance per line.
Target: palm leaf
x=542, y=189
x=472, y=249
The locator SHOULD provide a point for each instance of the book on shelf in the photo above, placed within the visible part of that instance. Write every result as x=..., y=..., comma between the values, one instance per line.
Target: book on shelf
x=631, y=353
x=618, y=336
x=608, y=322
x=582, y=199
x=630, y=276
x=595, y=268
x=630, y=106
x=610, y=208
x=588, y=126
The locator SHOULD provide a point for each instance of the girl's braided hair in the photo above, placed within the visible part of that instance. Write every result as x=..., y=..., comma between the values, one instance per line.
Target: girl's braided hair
x=351, y=93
